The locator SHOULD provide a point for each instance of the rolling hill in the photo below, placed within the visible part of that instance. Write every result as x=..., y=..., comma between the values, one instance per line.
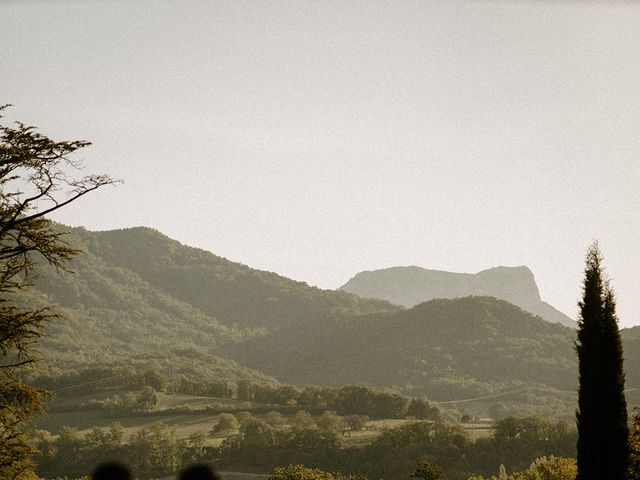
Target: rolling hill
x=136, y=293
x=442, y=348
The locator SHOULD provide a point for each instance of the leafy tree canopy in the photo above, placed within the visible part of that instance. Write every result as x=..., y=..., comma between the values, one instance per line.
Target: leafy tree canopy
x=36, y=179
x=300, y=472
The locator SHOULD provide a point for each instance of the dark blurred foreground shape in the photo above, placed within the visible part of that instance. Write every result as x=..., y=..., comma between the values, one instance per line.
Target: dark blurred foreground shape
x=199, y=472
x=111, y=471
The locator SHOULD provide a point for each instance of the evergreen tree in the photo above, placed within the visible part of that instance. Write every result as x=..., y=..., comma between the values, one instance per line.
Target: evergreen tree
x=35, y=180
x=602, y=413
x=634, y=446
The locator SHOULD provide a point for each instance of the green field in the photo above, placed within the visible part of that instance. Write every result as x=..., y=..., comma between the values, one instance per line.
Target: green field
x=192, y=417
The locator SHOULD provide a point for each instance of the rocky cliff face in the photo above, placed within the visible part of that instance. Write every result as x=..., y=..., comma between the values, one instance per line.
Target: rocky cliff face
x=410, y=286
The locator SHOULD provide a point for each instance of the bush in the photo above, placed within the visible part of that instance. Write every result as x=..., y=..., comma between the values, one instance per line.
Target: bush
x=226, y=423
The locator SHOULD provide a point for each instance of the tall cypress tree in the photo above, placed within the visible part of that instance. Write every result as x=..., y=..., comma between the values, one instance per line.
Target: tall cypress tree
x=603, y=447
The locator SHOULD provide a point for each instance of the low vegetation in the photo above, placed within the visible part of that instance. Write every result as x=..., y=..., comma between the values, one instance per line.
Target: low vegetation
x=252, y=444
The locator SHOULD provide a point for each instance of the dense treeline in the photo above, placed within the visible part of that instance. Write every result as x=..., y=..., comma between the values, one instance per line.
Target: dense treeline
x=151, y=452
x=139, y=393
x=260, y=446
x=348, y=400
x=515, y=443
x=174, y=373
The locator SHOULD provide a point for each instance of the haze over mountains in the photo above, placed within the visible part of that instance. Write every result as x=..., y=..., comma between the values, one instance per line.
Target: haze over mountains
x=412, y=285
x=138, y=298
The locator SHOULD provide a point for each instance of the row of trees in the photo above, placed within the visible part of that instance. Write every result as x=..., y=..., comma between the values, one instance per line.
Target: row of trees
x=348, y=400
x=260, y=446
x=520, y=449
x=515, y=443
x=329, y=420
x=345, y=401
x=150, y=452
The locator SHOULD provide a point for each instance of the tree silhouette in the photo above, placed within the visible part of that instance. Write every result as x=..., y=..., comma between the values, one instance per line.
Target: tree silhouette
x=602, y=413
x=35, y=181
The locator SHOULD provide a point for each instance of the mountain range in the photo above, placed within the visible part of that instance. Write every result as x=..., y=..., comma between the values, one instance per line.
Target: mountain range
x=138, y=298
x=410, y=286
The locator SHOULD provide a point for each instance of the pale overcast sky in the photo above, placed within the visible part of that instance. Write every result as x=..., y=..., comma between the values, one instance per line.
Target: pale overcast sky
x=318, y=139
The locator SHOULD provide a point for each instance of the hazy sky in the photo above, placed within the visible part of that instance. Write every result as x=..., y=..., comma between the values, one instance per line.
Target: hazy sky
x=319, y=139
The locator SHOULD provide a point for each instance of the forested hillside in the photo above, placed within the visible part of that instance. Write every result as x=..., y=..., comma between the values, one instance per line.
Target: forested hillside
x=140, y=299
x=442, y=348
x=231, y=292
x=137, y=294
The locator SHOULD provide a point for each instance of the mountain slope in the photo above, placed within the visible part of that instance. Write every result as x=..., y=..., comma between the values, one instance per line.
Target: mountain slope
x=138, y=297
x=441, y=348
x=410, y=286
x=138, y=294
x=229, y=291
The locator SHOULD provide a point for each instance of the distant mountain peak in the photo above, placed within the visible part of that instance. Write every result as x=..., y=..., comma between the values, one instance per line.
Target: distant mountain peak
x=412, y=285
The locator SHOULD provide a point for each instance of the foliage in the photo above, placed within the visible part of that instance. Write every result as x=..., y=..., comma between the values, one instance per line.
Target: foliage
x=150, y=452
x=71, y=453
x=393, y=454
x=126, y=404
x=302, y=419
x=603, y=448
x=517, y=440
x=260, y=445
x=634, y=446
x=396, y=450
x=276, y=394
x=552, y=468
x=226, y=422
x=427, y=471
x=359, y=400
x=330, y=421
x=154, y=379
x=34, y=182
x=134, y=290
x=442, y=349
x=235, y=297
x=300, y=472
x=155, y=451
x=148, y=398
x=138, y=326
x=498, y=411
x=244, y=417
x=343, y=401
x=421, y=409
x=549, y=469
x=355, y=422
x=274, y=419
